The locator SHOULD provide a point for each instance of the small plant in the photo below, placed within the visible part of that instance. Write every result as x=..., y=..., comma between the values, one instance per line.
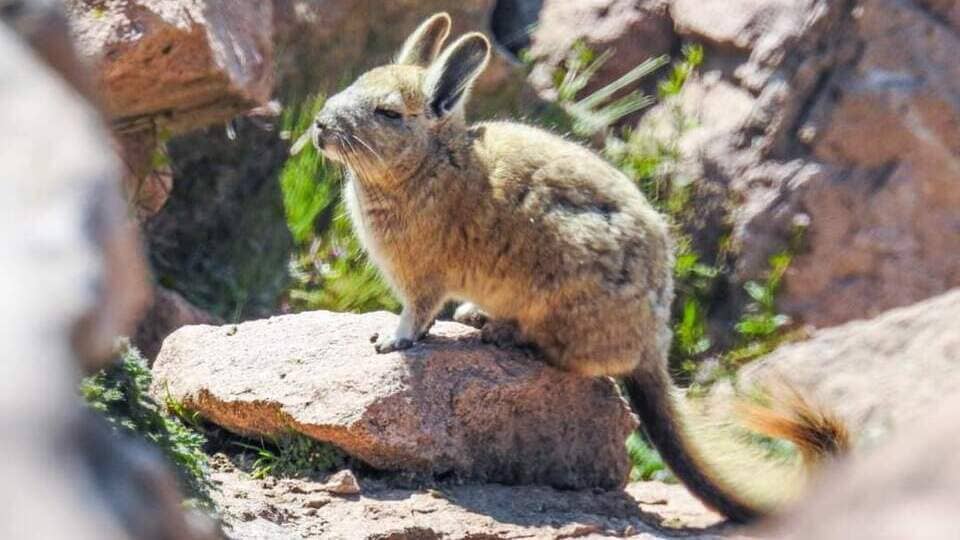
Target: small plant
x=599, y=110
x=693, y=283
x=120, y=393
x=761, y=326
x=652, y=160
x=329, y=268
x=292, y=455
x=646, y=462
x=692, y=54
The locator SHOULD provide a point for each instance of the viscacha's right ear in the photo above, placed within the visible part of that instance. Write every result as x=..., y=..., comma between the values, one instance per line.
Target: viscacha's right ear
x=448, y=80
x=423, y=45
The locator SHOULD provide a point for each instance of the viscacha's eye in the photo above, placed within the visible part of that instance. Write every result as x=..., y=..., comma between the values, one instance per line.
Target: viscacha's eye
x=387, y=113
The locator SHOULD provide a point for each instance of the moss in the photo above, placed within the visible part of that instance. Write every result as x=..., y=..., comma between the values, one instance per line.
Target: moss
x=120, y=393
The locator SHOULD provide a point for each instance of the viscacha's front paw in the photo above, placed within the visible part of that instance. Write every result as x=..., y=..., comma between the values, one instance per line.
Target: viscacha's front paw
x=470, y=315
x=386, y=343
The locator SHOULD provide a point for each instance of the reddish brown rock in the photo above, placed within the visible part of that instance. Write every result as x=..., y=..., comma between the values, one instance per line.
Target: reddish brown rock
x=885, y=227
x=176, y=64
x=449, y=405
x=843, y=130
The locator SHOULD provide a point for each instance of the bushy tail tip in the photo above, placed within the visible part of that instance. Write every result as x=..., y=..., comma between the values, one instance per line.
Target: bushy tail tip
x=784, y=413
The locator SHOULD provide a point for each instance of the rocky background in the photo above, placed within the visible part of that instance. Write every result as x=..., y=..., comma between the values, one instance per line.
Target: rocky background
x=143, y=146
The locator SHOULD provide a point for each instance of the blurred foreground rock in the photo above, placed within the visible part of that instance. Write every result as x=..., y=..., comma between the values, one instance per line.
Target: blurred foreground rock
x=451, y=405
x=907, y=489
x=73, y=279
x=881, y=375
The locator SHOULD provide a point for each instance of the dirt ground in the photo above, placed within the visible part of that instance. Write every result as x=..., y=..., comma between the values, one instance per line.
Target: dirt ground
x=398, y=509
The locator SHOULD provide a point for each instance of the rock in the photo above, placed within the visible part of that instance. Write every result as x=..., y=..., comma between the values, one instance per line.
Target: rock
x=342, y=483
x=879, y=375
x=451, y=405
x=73, y=279
x=174, y=64
x=601, y=25
x=168, y=312
x=740, y=24
x=68, y=210
x=841, y=129
x=43, y=204
x=885, y=232
x=906, y=489
x=489, y=511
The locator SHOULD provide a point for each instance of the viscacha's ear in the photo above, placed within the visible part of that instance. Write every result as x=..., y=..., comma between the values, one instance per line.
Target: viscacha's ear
x=422, y=46
x=448, y=80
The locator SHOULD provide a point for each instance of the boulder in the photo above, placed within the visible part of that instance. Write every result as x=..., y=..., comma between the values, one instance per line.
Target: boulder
x=843, y=132
x=739, y=24
x=176, y=64
x=170, y=66
x=62, y=206
x=44, y=204
x=879, y=375
x=450, y=405
x=885, y=223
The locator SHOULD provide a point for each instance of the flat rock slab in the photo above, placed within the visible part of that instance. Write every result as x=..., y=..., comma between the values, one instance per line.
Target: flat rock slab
x=450, y=405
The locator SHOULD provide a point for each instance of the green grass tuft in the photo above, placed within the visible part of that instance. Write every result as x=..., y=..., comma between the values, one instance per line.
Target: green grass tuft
x=293, y=455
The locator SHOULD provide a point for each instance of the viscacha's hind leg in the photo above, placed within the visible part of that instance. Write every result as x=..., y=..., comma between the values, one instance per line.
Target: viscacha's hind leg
x=503, y=333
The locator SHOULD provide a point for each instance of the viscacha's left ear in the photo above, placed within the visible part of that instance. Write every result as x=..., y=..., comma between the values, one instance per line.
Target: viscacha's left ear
x=449, y=78
x=422, y=46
